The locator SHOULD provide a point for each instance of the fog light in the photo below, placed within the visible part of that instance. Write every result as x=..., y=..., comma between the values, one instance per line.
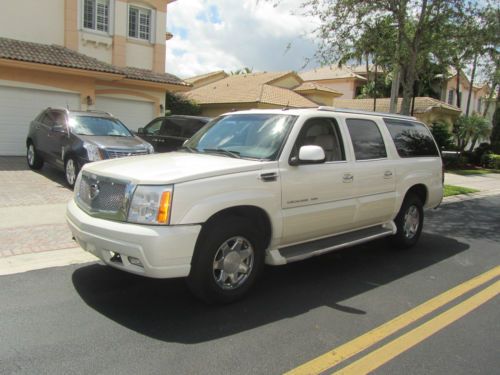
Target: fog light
x=115, y=257
x=135, y=261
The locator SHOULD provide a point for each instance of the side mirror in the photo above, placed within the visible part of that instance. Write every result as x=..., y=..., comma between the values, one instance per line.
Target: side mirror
x=311, y=154
x=140, y=131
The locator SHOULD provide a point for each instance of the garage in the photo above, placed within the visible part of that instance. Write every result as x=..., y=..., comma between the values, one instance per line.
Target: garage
x=133, y=113
x=19, y=106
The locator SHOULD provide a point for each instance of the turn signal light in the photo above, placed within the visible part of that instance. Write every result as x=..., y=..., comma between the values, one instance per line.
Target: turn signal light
x=164, y=209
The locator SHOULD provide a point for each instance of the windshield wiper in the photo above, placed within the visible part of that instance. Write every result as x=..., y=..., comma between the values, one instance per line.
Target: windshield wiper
x=190, y=149
x=233, y=154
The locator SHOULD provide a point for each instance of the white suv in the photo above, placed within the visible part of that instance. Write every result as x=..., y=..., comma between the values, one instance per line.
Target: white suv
x=255, y=187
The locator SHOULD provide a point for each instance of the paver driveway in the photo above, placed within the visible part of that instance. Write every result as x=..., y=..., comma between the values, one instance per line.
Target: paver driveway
x=32, y=208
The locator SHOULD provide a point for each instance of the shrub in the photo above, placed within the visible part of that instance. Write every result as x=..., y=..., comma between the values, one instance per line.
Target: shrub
x=179, y=105
x=479, y=152
x=490, y=160
x=442, y=135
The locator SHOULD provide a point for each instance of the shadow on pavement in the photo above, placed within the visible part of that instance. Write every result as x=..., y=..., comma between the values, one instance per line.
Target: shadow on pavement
x=165, y=310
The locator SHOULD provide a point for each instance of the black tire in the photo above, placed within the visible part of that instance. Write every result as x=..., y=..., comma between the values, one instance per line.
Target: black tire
x=210, y=266
x=71, y=169
x=33, y=158
x=409, y=222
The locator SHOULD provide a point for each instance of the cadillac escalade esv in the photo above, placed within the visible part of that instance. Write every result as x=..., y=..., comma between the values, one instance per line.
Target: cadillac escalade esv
x=259, y=187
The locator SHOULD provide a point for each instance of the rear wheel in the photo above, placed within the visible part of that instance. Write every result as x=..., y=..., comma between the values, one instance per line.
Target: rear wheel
x=227, y=260
x=33, y=158
x=409, y=222
x=71, y=170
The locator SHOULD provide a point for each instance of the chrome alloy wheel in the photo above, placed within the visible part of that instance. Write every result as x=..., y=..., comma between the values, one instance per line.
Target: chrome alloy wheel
x=233, y=263
x=31, y=155
x=70, y=172
x=411, y=222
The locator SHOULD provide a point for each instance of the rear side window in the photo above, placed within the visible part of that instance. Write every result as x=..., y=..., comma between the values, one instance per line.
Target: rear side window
x=411, y=138
x=366, y=139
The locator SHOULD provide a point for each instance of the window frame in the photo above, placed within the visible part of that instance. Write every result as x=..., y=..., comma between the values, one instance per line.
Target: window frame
x=336, y=129
x=416, y=125
x=95, y=29
x=152, y=27
x=380, y=132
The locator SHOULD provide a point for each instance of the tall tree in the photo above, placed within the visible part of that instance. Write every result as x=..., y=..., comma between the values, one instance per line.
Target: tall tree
x=417, y=25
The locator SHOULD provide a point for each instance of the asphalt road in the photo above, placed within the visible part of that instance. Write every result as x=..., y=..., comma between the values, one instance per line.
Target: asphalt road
x=91, y=319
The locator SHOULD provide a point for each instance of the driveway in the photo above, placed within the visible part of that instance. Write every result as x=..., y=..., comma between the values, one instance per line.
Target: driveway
x=32, y=206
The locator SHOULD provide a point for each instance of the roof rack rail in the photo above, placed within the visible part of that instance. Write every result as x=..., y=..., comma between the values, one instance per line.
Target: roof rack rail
x=359, y=112
x=99, y=111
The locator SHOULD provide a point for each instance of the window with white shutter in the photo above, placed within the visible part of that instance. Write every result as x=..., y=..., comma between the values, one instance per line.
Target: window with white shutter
x=139, y=23
x=96, y=15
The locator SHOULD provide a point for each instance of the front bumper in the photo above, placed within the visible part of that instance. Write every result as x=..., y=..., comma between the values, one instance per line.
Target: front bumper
x=163, y=251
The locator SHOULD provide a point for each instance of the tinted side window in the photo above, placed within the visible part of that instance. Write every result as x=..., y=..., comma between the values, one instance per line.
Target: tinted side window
x=154, y=127
x=366, y=139
x=172, y=128
x=191, y=127
x=411, y=138
x=322, y=132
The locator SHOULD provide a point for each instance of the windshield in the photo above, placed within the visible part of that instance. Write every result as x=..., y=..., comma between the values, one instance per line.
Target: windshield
x=254, y=136
x=98, y=126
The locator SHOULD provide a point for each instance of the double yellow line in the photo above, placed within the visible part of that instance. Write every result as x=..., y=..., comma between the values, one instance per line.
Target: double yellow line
x=385, y=353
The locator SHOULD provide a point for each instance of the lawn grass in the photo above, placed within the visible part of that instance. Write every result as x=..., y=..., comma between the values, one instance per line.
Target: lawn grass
x=450, y=190
x=470, y=172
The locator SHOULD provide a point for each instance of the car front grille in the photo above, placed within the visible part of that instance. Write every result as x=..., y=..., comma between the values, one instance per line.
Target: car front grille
x=103, y=197
x=120, y=153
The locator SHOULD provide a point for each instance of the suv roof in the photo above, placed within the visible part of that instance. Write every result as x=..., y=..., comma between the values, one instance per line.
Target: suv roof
x=92, y=112
x=328, y=109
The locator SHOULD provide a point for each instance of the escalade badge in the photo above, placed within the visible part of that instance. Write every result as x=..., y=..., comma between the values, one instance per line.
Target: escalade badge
x=94, y=191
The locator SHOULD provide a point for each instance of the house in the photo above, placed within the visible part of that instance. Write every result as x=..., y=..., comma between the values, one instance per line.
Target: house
x=205, y=79
x=426, y=109
x=82, y=54
x=449, y=92
x=258, y=90
x=341, y=79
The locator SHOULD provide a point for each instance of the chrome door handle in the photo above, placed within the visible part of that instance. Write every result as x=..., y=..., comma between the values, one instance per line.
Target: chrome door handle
x=387, y=174
x=347, y=178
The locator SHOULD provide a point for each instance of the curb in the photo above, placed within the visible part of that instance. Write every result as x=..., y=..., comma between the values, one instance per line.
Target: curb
x=468, y=197
x=47, y=259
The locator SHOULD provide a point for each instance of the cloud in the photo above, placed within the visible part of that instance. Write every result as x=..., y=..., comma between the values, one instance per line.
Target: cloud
x=212, y=35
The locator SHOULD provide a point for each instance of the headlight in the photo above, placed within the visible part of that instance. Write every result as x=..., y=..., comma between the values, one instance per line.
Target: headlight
x=150, y=148
x=151, y=205
x=76, y=189
x=93, y=152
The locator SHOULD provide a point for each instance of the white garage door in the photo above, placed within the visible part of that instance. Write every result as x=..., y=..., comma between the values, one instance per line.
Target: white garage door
x=19, y=106
x=133, y=113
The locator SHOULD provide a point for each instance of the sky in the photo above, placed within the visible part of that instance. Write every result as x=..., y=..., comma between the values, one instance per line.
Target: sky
x=211, y=35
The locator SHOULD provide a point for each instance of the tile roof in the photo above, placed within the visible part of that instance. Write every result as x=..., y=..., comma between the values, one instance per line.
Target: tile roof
x=12, y=49
x=329, y=72
x=422, y=104
x=204, y=76
x=249, y=88
x=308, y=86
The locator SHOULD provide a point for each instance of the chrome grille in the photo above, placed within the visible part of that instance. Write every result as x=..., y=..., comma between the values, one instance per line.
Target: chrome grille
x=103, y=197
x=116, y=153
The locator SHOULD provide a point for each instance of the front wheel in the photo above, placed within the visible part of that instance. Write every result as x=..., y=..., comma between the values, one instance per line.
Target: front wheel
x=227, y=260
x=71, y=170
x=34, y=160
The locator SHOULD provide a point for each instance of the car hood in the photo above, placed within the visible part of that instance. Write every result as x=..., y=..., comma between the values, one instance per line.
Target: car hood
x=115, y=142
x=171, y=167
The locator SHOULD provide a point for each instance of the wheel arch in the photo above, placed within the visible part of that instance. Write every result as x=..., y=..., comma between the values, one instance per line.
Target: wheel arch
x=420, y=190
x=256, y=215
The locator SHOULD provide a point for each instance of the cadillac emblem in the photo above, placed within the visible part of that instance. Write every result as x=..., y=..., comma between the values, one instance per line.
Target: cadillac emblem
x=94, y=191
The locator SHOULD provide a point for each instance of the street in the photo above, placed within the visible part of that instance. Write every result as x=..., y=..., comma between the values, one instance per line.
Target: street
x=89, y=318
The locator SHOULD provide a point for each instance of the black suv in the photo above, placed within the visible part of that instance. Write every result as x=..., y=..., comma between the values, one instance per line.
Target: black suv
x=69, y=139
x=168, y=133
